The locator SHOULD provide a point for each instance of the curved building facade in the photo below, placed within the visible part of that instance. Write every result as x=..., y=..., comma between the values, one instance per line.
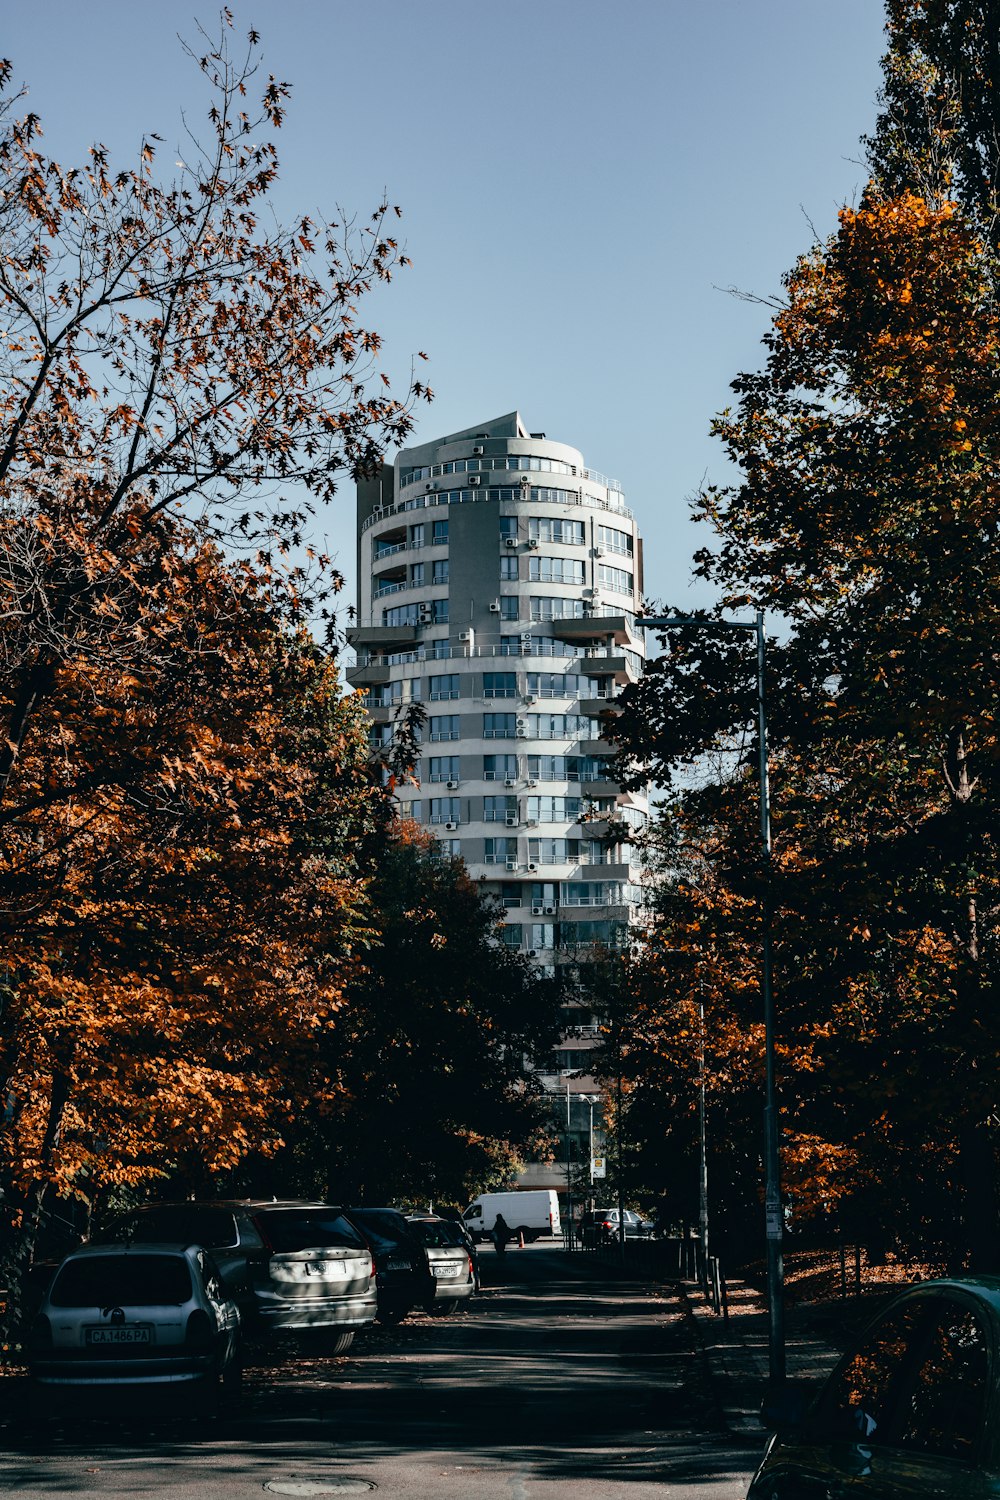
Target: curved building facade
x=499, y=579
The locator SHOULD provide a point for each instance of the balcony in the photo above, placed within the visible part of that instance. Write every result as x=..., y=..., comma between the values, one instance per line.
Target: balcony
x=382, y=635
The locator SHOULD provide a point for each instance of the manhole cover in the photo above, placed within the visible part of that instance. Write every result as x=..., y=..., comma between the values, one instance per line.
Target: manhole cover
x=335, y=1485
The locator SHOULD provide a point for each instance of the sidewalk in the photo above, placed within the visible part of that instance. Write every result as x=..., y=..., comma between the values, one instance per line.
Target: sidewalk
x=736, y=1351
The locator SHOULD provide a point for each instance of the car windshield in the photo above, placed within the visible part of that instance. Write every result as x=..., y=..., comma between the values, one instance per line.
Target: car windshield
x=381, y=1229
x=287, y=1230
x=431, y=1232
x=183, y=1224
x=123, y=1281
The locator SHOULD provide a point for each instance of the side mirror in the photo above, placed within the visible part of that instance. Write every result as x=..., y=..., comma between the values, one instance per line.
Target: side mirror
x=784, y=1406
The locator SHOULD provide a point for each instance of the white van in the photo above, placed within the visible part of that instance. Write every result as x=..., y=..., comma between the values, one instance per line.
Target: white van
x=532, y=1211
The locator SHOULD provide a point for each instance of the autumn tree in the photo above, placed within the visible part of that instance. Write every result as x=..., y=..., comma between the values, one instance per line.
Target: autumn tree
x=865, y=523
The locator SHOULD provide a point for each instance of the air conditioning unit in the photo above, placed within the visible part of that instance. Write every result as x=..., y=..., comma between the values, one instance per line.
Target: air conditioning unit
x=532, y=781
x=525, y=481
x=475, y=479
x=429, y=487
x=467, y=635
x=512, y=781
x=424, y=614
x=526, y=637
x=589, y=593
x=531, y=822
x=520, y=734
x=550, y=911
x=512, y=864
x=511, y=820
x=598, y=551
x=478, y=452
x=510, y=541
x=495, y=607
x=532, y=541
x=451, y=827
x=537, y=911
x=531, y=868
x=453, y=786
x=529, y=697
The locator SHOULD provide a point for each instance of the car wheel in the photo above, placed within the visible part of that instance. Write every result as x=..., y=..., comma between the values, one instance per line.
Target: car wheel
x=391, y=1317
x=338, y=1342
x=442, y=1309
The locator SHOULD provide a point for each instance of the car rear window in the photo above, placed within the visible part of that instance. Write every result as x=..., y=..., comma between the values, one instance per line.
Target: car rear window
x=287, y=1230
x=185, y=1225
x=123, y=1281
x=430, y=1233
x=384, y=1232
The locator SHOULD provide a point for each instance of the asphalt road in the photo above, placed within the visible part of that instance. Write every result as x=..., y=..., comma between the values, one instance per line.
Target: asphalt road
x=557, y=1383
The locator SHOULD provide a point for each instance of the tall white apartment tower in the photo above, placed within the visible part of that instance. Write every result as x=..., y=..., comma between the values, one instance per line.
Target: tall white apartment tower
x=499, y=579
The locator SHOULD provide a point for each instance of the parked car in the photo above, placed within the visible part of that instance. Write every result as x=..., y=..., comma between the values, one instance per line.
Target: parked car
x=452, y=1277
x=456, y=1227
x=400, y=1264
x=600, y=1226
x=135, y=1315
x=292, y=1267
x=911, y=1409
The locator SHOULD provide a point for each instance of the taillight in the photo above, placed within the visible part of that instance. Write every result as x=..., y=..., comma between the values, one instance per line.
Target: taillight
x=40, y=1333
x=200, y=1332
x=471, y=1272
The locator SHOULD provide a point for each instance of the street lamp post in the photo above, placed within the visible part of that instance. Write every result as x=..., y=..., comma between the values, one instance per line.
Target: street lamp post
x=772, y=1176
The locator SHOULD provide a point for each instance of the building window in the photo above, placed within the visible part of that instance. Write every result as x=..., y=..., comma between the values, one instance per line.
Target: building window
x=508, y=568
x=499, y=726
x=542, y=935
x=499, y=851
x=440, y=573
x=554, y=851
x=553, y=809
x=561, y=726
x=499, y=685
x=555, y=684
x=511, y=893
x=499, y=767
x=402, y=614
x=509, y=606
x=439, y=611
x=443, y=685
x=450, y=848
x=444, y=727
x=412, y=809
x=446, y=809
x=613, y=540
x=499, y=809
x=508, y=528
x=512, y=935
x=556, y=609
x=444, y=768
x=556, y=570
x=616, y=579
x=416, y=574
x=440, y=535
x=417, y=535
x=552, y=529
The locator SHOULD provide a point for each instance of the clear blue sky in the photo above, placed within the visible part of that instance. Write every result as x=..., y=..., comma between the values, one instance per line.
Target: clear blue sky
x=578, y=181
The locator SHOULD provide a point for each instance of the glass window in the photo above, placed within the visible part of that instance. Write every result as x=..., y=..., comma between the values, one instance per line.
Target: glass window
x=499, y=685
x=553, y=809
x=412, y=808
x=444, y=768
x=287, y=1231
x=499, y=726
x=613, y=540
x=450, y=848
x=555, y=684
x=439, y=611
x=944, y=1412
x=400, y=614
x=443, y=727
x=498, y=809
x=499, y=767
x=542, y=935
x=556, y=569
x=123, y=1281
x=509, y=604
x=552, y=529
x=512, y=935
x=556, y=609
x=499, y=851
x=440, y=532
x=511, y=893
x=509, y=568
x=616, y=579
x=440, y=573
x=416, y=573
x=508, y=527
x=446, y=809
x=417, y=535
x=443, y=685
x=858, y=1400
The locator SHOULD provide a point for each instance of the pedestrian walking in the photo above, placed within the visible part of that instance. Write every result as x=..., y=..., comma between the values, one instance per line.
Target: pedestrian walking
x=501, y=1233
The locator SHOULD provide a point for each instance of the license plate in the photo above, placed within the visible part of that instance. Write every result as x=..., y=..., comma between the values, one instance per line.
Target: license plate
x=447, y=1270
x=397, y=1265
x=138, y=1335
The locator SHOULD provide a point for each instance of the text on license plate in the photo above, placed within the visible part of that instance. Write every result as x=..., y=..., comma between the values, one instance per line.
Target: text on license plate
x=138, y=1335
x=397, y=1265
x=448, y=1270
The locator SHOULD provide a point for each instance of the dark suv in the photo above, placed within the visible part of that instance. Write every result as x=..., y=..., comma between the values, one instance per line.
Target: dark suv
x=291, y=1266
x=400, y=1263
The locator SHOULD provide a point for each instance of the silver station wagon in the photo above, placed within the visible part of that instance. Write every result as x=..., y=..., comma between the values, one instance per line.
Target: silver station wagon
x=134, y=1316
